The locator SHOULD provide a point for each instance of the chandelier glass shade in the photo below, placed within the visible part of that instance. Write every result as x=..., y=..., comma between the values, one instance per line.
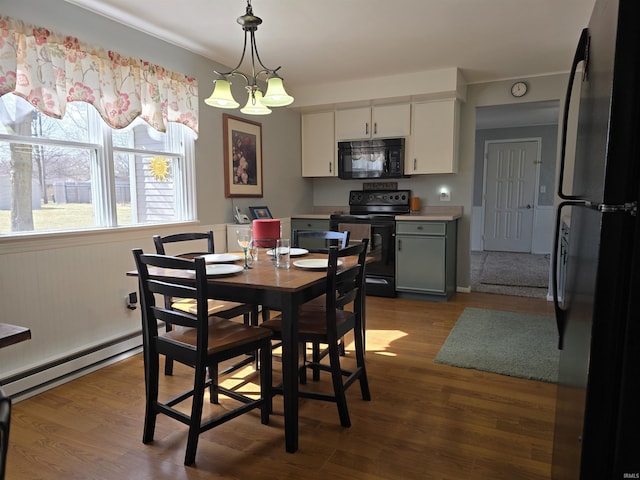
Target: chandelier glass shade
x=257, y=103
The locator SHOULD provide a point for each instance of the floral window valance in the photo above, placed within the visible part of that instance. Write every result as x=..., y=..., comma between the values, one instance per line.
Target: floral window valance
x=49, y=70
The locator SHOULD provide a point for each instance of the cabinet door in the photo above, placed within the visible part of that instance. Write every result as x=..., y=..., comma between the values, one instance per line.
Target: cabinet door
x=420, y=264
x=390, y=121
x=353, y=124
x=434, y=139
x=318, y=145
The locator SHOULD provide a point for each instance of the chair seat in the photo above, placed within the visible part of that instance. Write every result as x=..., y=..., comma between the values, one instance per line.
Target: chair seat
x=223, y=334
x=214, y=307
x=312, y=322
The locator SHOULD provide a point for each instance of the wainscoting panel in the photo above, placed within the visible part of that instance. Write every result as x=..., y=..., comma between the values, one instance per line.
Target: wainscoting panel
x=70, y=291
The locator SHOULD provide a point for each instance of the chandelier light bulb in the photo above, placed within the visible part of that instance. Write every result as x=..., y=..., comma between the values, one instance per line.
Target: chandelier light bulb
x=254, y=105
x=221, y=96
x=276, y=95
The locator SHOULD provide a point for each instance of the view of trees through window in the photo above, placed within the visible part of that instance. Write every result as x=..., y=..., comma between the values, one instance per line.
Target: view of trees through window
x=76, y=172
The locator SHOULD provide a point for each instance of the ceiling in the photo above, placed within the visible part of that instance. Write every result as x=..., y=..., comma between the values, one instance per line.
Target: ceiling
x=324, y=41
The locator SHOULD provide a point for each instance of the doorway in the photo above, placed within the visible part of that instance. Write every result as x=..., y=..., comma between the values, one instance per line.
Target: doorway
x=516, y=230
x=511, y=180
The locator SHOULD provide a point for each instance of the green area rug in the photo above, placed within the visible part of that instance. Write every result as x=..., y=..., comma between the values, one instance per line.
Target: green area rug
x=514, y=344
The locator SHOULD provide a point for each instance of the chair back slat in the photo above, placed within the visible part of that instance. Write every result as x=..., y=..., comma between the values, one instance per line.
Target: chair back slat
x=331, y=238
x=160, y=242
x=175, y=317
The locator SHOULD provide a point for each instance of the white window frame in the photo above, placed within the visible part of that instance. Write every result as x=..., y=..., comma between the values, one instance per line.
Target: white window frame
x=182, y=146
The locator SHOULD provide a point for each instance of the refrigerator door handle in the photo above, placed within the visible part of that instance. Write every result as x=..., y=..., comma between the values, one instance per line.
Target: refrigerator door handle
x=561, y=313
x=581, y=54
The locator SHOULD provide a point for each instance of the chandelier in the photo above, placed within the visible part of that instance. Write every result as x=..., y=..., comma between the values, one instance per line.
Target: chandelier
x=257, y=103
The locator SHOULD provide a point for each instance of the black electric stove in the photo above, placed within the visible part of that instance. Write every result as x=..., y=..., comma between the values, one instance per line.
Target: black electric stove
x=377, y=209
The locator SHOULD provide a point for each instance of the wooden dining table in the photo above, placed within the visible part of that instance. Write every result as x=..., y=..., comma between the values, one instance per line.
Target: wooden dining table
x=274, y=288
x=11, y=334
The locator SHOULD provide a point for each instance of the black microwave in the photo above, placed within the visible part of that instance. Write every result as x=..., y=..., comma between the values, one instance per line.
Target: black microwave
x=380, y=158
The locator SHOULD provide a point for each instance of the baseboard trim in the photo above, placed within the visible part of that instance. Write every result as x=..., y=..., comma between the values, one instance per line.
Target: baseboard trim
x=52, y=374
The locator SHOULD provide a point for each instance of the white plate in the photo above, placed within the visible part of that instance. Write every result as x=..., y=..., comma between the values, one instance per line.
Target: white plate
x=294, y=252
x=223, y=269
x=222, y=257
x=314, y=263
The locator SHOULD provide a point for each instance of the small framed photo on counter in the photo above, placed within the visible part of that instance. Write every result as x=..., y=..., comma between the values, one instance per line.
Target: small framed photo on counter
x=260, y=212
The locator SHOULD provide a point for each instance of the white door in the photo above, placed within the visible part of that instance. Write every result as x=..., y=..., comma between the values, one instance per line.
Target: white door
x=510, y=185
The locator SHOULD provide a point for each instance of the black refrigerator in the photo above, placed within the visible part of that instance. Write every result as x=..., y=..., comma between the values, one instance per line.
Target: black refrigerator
x=597, y=300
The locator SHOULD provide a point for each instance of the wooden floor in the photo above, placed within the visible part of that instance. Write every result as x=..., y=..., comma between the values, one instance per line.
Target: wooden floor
x=425, y=421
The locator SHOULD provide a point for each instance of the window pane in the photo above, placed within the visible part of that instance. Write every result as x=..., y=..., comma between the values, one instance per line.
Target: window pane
x=147, y=195
x=44, y=188
x=26, y=120
x=141, y=136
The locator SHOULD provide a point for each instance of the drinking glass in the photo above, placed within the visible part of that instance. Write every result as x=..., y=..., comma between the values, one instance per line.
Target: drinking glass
x=282, y=253
x=244, y=240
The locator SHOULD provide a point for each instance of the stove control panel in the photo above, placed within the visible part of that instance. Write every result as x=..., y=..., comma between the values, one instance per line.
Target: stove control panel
x=379, y=197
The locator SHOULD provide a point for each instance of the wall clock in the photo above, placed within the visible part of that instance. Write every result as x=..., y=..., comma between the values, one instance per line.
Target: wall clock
x=518, y=89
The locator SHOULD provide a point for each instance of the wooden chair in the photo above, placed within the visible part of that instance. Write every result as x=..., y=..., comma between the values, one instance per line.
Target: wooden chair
x=5, y=421
x=199, y=341
x=345, y=286
x=219, y=308
x=340, y=239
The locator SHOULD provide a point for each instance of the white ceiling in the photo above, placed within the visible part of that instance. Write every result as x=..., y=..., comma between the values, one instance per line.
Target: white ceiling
x=332, y=40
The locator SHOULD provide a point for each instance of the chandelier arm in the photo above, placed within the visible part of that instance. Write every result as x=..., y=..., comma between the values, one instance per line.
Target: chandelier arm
x=254, y=48
x=236, y=70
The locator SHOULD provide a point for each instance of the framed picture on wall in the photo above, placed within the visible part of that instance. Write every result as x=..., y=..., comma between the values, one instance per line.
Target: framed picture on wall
x=260, y=212
x=242, y=157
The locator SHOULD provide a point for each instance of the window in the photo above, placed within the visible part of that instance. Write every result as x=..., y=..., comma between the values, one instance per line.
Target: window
x=77, y=172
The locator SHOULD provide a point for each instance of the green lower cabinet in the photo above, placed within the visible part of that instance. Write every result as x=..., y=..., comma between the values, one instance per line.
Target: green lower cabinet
x=426, y=257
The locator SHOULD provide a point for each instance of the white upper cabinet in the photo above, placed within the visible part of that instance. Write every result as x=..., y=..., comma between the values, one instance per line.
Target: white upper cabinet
x=381, y=121
x=433, y=146
x=318, y=145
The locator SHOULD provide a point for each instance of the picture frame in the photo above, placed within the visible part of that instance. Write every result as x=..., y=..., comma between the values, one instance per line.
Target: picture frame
x=260, y=212
x=242, y=157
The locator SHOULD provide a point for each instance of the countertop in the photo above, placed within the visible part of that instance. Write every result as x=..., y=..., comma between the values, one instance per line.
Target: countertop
x=427, y=214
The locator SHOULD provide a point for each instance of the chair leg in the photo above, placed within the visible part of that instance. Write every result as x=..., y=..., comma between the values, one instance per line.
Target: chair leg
x=152, y=374
x=168, y=361
x=213, y=387
x=360, y=354
x=302, y=361
x=254, y=317
x=266, y=382
x=315, y=359
x=196, y=414
x=338, y=385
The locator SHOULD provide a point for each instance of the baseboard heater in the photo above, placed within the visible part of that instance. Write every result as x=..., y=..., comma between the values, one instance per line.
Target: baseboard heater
x=49, y=375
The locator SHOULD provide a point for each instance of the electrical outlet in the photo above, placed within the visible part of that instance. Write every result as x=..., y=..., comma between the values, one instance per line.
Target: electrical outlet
x=445, y=196
x=131, y=301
